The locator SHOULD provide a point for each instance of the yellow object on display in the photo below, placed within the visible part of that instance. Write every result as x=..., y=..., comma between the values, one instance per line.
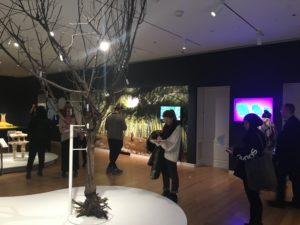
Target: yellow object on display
x=4, y=124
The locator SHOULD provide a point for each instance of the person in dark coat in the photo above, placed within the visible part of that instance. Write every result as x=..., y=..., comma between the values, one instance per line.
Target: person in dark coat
x=252, y=146
x=287, y=158
x=115, y=126
x=39, y=136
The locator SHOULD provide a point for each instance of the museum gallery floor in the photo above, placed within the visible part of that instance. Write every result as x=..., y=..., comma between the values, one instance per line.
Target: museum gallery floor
x=208, y=196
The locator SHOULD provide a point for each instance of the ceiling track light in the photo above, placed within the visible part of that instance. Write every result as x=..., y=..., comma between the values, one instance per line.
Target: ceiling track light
x=259, y=33
x=16, y=44
x=183, y=48
x=217, y=9
x=61, y=58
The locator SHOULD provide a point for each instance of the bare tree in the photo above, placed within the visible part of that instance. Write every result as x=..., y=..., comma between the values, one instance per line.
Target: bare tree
x=44, y=36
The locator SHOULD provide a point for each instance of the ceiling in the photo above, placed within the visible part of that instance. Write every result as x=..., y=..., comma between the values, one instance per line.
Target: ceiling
x=163, y=34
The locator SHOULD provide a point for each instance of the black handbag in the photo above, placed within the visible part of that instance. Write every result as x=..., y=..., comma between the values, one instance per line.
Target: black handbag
x=260, y=172
x=156, y=161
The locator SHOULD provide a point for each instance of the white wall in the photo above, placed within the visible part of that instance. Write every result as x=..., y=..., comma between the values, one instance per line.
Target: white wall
x=213, y=126
x=291, y=94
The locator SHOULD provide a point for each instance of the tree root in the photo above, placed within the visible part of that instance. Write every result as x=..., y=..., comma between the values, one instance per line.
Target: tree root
x=92, y=206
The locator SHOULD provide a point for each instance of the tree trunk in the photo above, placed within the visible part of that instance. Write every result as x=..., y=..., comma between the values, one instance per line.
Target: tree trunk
x=93, y=205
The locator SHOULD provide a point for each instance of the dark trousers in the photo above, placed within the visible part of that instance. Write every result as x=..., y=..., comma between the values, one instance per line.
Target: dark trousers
x=256, y=207
x=65, y=157
x=36, y=148
x=169, y=172
x=295, y=179
x=115, y=147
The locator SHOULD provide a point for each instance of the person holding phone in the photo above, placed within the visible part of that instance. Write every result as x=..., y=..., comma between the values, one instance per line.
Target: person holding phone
x=170, y=140
x=252, y=146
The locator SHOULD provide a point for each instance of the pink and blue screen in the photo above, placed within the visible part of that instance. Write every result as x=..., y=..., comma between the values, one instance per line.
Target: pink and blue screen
x=244, y=106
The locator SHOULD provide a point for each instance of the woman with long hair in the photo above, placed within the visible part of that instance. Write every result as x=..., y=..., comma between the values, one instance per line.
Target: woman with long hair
x=170, y=140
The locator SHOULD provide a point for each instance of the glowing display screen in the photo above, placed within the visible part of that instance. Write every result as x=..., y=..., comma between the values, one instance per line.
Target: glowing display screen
x=177, y=110
x=244, y=106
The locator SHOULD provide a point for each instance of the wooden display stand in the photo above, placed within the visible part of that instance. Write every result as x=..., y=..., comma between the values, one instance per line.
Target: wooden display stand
x=18, y=139
x=2, y=146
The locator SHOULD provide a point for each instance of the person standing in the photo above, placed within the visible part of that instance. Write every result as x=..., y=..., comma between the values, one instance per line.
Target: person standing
x=39, y=136
x=115, y=126
x=64, y=129
x=170, y=140
x=287, y=158
x=268, y=128
x=252, y=146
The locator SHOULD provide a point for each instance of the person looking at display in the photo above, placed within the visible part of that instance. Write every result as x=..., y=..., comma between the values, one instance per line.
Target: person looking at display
x=252, y=146
x=64, y=129
x=170, y=140
x=39, y=130
x=115, y=126
x=268, y=128
x=287, y=158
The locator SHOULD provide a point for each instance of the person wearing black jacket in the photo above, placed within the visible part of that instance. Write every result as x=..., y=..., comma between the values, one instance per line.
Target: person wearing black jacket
x=252, y=146
x=287, y=158
x=39, y=136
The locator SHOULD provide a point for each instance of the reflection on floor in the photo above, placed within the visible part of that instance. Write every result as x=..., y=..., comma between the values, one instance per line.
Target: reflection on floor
x=208, y=196
x=19, y=164
x=149, y=208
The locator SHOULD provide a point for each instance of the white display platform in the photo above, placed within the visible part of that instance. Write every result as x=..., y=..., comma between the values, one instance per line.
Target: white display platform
x=129, y=206
x=19, y=164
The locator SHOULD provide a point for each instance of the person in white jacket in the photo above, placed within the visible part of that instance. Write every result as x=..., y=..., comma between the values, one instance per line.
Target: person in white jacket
x=170, y=140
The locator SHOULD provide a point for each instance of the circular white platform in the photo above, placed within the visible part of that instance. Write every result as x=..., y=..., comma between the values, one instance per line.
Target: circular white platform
x=129, y=206
x=19, y=164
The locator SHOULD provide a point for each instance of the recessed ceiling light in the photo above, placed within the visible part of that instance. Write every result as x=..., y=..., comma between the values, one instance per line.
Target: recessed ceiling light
x=16, y=44
x=51, y=33
x=179, y=13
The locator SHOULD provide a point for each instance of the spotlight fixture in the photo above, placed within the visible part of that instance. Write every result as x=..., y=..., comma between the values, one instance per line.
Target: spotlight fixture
x=183, y=45
x=104, y=46
x=51, y=33
x=61, y=58
x=217, y=9
x=259, y=35
x=16, y=44
x=213, y=13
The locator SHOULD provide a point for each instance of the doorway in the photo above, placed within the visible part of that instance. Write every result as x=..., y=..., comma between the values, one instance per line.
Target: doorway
x=213, y=109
